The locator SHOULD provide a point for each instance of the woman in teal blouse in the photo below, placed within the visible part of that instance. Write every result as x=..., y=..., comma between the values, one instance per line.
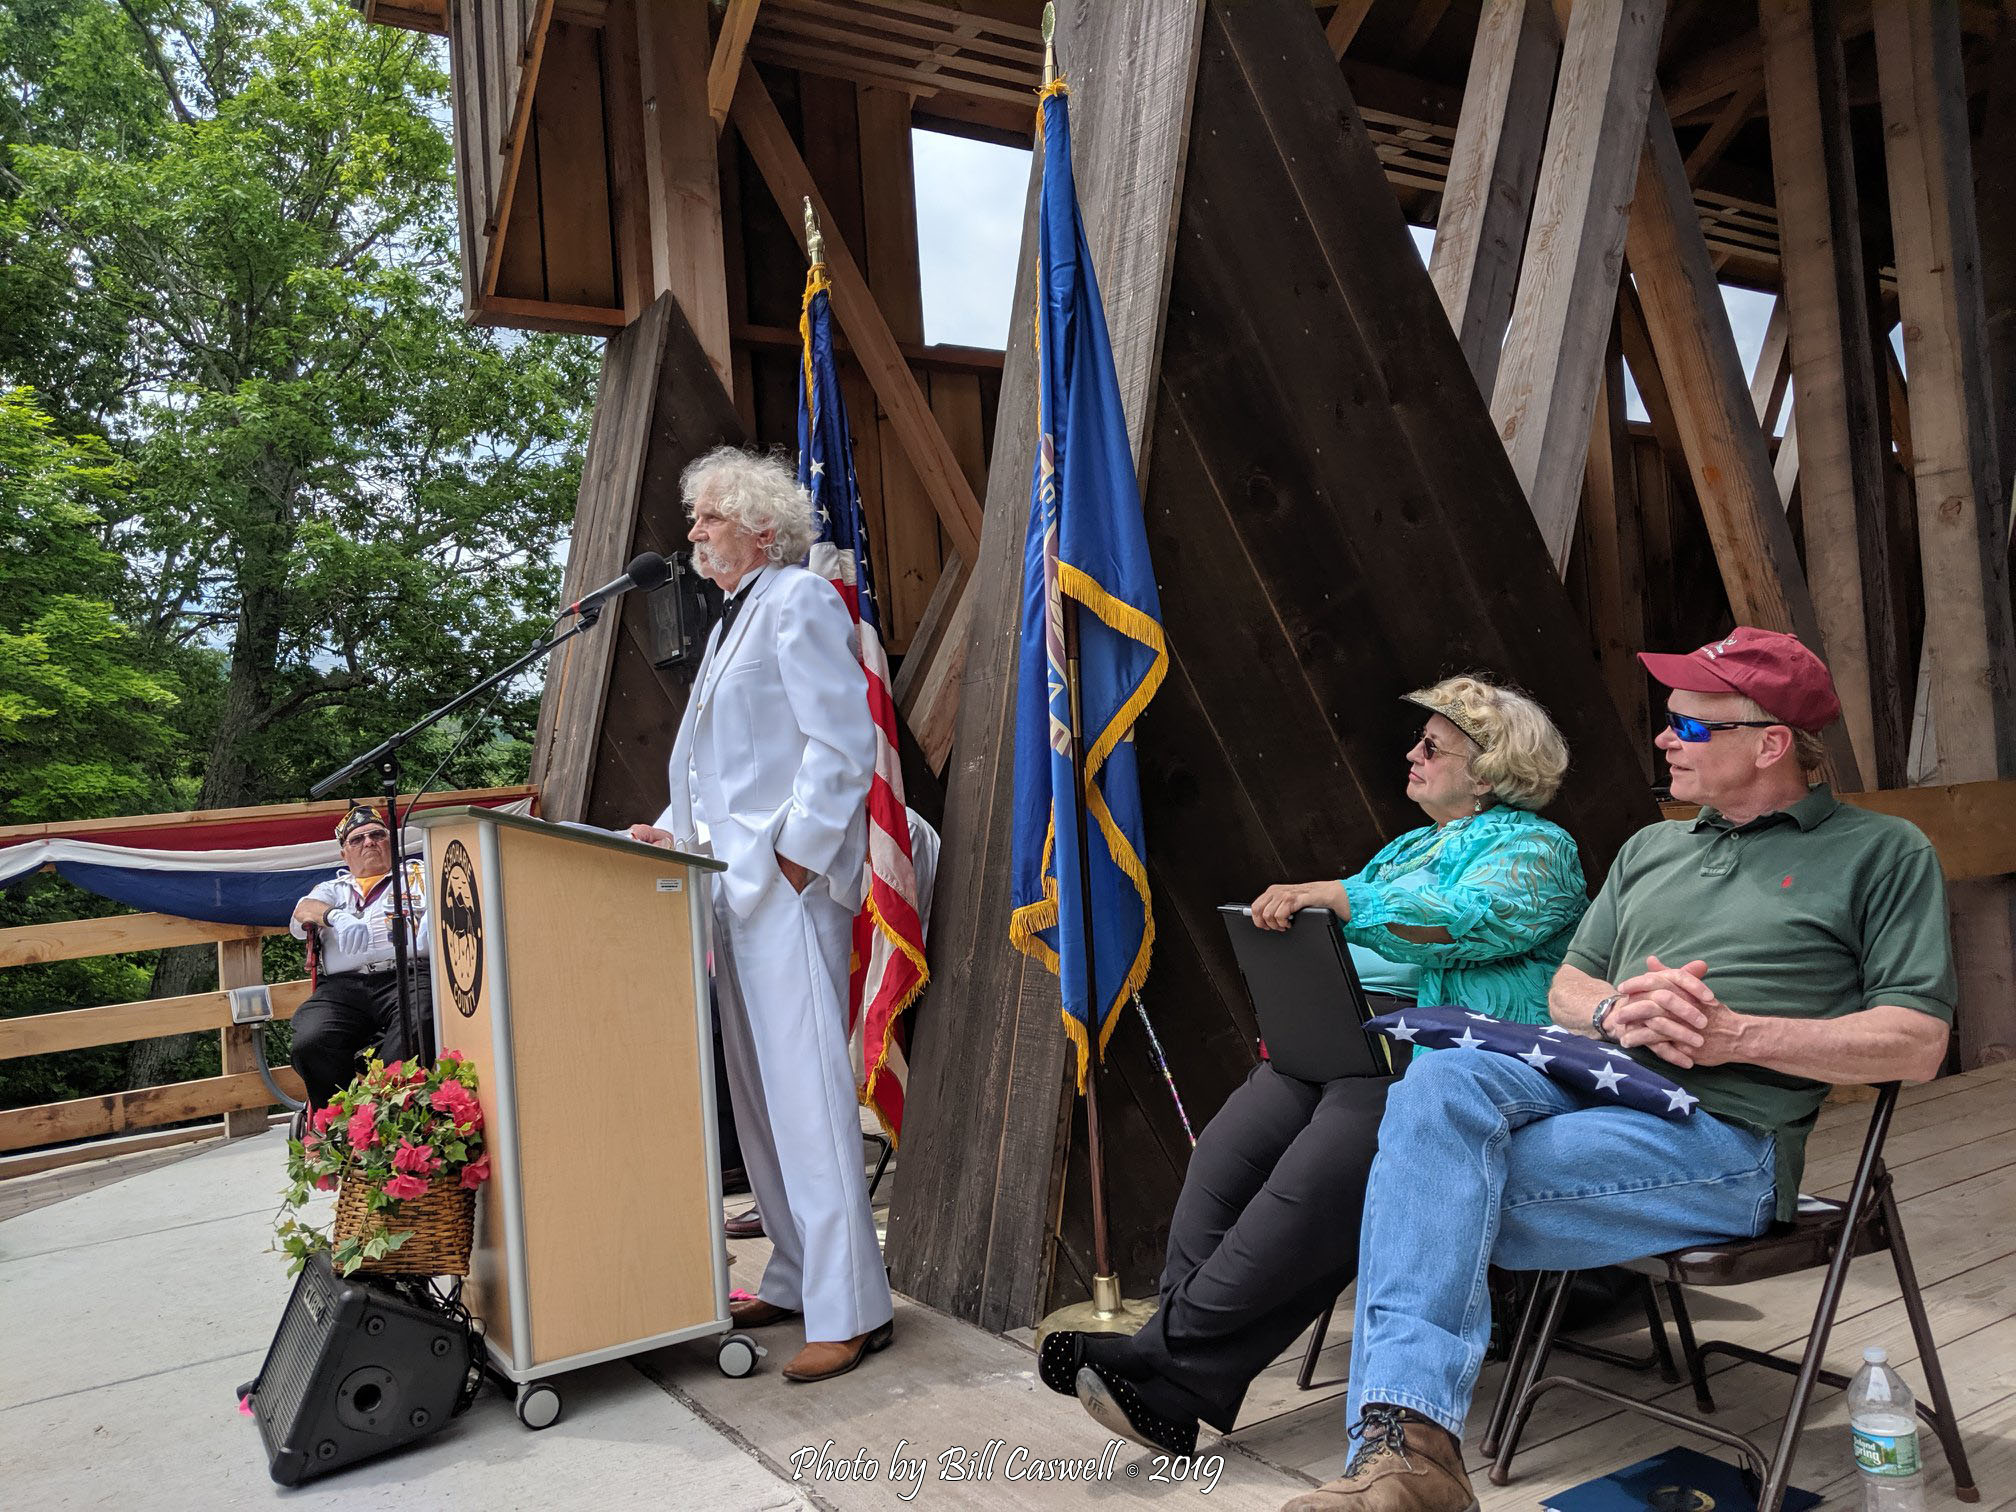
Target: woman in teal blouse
x=1475, y=907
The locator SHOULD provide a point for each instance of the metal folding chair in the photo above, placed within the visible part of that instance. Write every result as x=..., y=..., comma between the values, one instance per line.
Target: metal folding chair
x=1826, y=1234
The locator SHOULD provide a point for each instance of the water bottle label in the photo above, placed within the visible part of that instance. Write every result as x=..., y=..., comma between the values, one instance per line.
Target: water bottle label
x=1887, y=1453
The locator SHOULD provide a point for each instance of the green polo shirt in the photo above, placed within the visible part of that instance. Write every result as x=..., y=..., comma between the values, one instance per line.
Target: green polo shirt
x=1815, y=911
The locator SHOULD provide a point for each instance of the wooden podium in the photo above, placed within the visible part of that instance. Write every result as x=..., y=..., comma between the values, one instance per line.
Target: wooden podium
x=570, y=967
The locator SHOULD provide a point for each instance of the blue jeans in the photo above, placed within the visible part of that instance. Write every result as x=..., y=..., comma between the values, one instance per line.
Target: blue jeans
x=1482, y=1160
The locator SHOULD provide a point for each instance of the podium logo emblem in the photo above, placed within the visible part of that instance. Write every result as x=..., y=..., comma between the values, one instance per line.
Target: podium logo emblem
x=461, y=914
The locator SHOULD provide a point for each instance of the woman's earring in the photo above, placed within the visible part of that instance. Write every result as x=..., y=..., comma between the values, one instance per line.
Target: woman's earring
x=1480, y=803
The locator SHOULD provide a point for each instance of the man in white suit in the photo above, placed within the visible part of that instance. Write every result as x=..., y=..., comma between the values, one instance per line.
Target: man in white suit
x=773, y=758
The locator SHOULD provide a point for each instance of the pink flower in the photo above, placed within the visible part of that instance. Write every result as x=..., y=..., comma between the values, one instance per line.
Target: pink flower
x=453, y=1099
x=403, y=1188
x=476, y=1172
x=415, y=1160
x=325, y=1183
x=449, y=1057
x=309, y=1145
x=324, y=1117
x=364, y=1127
x=392, y=1071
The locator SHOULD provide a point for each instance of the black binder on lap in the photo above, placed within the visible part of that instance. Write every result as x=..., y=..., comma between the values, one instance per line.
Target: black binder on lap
x=1307, y=997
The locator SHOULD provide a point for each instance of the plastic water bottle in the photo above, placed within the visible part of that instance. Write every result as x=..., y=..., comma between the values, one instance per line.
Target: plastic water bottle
x=1885, y=1423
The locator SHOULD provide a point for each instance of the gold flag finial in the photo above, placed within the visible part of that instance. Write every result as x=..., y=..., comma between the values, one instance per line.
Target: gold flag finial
x=1049, y=45
x=815, y=244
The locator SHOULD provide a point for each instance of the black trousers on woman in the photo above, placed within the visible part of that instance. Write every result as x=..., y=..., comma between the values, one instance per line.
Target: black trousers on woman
x=1264, y=1237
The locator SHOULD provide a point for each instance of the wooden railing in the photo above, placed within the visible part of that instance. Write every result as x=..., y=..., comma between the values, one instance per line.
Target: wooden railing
x=239, y=1097
x=236, y=1102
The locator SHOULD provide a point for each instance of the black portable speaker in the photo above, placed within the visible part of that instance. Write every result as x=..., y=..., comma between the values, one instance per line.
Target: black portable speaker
x=355, y=1369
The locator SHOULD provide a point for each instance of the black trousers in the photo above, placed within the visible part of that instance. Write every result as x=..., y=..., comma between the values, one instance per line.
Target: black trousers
x=349, y=1013
x=1264, y=1237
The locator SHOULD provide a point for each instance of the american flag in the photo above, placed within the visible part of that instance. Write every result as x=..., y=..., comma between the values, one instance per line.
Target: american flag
x=1594, y=1069
x=887, y=971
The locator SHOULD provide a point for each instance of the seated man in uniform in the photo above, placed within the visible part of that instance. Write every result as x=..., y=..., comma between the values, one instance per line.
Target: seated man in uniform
x=355, y=1004
x=1777, y=942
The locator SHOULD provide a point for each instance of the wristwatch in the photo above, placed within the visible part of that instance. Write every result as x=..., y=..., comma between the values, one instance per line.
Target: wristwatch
x=1601, y=1012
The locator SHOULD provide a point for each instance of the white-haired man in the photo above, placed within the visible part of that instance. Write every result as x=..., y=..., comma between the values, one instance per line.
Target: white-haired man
x=774, y=758
x=1776, y=943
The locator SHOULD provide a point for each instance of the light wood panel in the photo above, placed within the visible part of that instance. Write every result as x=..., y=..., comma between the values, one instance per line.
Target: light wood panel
x=725, y=67
x=1480, y=231
x=1545, y=393
x=618, y=1246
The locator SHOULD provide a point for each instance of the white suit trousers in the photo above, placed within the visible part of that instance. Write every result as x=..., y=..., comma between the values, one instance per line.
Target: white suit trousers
x=781, y=981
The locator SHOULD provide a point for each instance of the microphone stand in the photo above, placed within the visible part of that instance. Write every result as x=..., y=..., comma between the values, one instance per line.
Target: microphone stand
x=385, y=758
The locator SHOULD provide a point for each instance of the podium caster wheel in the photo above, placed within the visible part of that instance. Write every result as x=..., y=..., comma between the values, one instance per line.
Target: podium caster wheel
x=738, y=1355
x=539, y=1405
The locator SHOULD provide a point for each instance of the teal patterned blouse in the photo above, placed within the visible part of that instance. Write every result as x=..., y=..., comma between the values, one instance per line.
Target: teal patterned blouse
x=1506, y=884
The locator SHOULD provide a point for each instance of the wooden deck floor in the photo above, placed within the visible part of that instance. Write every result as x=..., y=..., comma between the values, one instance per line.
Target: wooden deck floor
x=1952, y=1153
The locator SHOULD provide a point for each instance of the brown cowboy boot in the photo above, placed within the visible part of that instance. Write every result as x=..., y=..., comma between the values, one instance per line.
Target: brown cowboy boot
x=1404, y=1463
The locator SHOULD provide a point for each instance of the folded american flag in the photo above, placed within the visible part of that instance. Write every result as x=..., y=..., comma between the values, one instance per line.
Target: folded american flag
x=1596, y=1070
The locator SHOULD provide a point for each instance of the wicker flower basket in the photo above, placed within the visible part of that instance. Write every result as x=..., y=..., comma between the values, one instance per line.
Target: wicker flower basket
x=443, y=1224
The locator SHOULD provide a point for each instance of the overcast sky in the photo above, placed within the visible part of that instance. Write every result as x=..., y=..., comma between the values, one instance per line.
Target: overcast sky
x=969, y=230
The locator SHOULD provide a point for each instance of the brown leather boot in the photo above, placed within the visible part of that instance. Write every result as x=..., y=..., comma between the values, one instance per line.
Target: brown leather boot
x=826, y=1359
x=754, y=1312
x=1404, y=1463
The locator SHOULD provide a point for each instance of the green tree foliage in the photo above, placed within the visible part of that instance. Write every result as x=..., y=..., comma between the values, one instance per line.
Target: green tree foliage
x=83, y=718
x=230, y=231
x=297, y=501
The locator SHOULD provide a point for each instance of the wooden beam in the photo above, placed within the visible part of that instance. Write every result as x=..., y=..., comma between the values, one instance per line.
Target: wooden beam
x=1724, y=445
x=1545, y=396
x=533, y=52
x=1962, y=529
x=122, y=934
x=1900, y=407
x=933, y=357
x=1971, y=824
x=973, y=1230
x=89, y=1117
x=1480, y=232
x=1424, y=17
x=240, y=963
x=1616, y=561
x=683, y=179
x=1643, y=361
x=726, y=68
x=119, y=1023
x=1722, y=130
x=1773, y=372
x=927, y=684
x=881, y=359
x=1833, y=448
x=1343, y=25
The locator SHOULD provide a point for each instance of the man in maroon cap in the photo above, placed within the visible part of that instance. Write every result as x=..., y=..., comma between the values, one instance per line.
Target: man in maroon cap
x=1775, y=944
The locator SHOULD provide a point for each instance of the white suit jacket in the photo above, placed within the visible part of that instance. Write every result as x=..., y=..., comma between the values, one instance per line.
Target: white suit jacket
x=776, y=750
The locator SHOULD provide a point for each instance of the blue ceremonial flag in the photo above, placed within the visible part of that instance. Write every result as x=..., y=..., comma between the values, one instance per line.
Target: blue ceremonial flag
x=1086, y=543
x=1595, y=1068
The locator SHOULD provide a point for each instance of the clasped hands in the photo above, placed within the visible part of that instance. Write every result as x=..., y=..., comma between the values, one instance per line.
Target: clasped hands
x=798, y=876
x=1671, y=1011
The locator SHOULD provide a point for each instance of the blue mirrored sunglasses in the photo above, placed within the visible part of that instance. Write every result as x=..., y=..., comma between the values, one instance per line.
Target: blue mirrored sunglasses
x=1695, y=731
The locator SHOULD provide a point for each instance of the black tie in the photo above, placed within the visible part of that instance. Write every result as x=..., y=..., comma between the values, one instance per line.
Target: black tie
x=729, y=610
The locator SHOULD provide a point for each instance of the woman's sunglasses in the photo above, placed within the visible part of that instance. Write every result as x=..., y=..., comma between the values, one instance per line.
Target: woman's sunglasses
x=1427, y=743
x=1696, y=731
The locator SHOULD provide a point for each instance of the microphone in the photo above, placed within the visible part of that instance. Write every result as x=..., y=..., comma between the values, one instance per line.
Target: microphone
x=647, y=570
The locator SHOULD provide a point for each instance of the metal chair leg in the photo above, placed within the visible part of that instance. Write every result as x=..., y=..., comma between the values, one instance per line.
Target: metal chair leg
x=1308, y=1371
x=1944, y=1423
x=881, y=1165
x=1501, y=1407
x=1535, y=1362
x=1662, y=1351
x=1683, y=1323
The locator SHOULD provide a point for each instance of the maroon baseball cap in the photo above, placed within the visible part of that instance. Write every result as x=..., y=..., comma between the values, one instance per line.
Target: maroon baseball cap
x=1769, y=667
